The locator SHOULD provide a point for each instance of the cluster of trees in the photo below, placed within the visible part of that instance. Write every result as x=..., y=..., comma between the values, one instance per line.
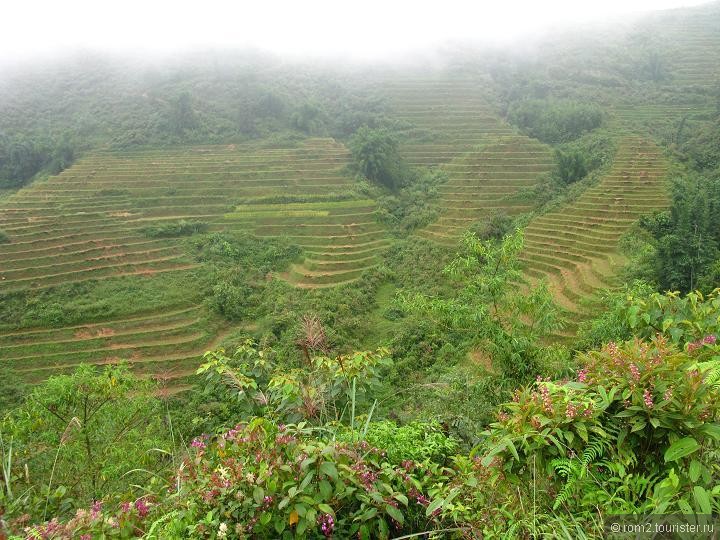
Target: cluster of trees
x=687, y=237
x=99, y=103
x=22, y=157
x=377, y=157
x=555, y=121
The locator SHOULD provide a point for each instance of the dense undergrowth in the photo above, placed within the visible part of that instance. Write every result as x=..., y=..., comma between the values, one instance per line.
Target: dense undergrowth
x=300, y=452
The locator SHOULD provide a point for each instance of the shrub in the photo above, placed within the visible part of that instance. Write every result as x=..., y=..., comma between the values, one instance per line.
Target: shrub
x=80, y=437
x=263, y=480
x=555, y=121
x=4, y=237
x=416, y=441
x=639, y=311
x=636, y=431
x=496, y=227
x=172, y=230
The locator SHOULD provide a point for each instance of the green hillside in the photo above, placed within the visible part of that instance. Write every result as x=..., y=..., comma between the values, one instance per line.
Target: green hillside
x=472, y=293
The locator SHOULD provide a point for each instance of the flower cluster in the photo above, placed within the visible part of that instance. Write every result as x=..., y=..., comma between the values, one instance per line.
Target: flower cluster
x=327, y=524
x=647, y=398
x=707, y=340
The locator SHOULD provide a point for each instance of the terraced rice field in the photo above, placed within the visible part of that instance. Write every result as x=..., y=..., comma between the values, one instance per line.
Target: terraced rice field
x=167, y=345
x=86, y=224
x=575, y=248
x=631, y=117
x=486, y=181
x=340, y=239
x=691, y=42
x=443, y=118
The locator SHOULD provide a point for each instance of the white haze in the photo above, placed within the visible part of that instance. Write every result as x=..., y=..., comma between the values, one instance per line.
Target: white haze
x=350, y=29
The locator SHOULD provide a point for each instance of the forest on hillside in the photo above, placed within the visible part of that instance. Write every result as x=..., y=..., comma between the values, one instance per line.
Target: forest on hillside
x=472, y=296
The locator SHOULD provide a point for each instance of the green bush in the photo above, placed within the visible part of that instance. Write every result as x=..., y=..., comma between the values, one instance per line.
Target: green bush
x=635, y=433
x=82, y=437
x=4, y=237
x=416, y=441
x=555, y=121
x=638, y=311
x=173, y=230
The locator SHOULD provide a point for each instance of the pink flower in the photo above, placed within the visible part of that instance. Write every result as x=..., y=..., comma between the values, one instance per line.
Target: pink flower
x=547, y=401
x=667, y=396
x=327, y=524
x=197, y=442
x=142, y=508
x=635, y=372
x=647, y=398
x=96, y=509
x=582, y=375
x=571, y=411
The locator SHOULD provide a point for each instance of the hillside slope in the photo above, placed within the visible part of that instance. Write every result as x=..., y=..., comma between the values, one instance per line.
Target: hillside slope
x=576, y=247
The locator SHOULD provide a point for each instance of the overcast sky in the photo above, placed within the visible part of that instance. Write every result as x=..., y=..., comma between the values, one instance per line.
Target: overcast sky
x=355, y=28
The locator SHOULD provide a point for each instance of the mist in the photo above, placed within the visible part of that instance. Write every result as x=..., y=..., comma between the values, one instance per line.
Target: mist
x=371, y=30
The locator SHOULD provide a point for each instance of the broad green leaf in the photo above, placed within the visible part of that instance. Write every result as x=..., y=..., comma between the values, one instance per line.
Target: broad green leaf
x=325, y=489
x=713, y=430
x=394, y=513
x=685, y=508
x=326, y=509
x=581, y=430
x=258, y=494
x=369, y=514
x=680, y=449
x=328, y=468
x=307, y=479
x=704, y=506
x=491, y=455
x=695, y=470
x=437, y=503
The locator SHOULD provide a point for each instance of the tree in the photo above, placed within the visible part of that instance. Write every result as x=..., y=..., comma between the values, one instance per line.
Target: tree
x=571, y=165
x=486, y=304
x=308, y=118
x=85, y=435
x=376, y=155
x=182, y=115
x=688, y=235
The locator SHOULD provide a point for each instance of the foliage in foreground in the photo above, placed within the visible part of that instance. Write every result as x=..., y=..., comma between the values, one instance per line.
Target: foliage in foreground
x=636, y=431
x=81, y=437
x=638, y=311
